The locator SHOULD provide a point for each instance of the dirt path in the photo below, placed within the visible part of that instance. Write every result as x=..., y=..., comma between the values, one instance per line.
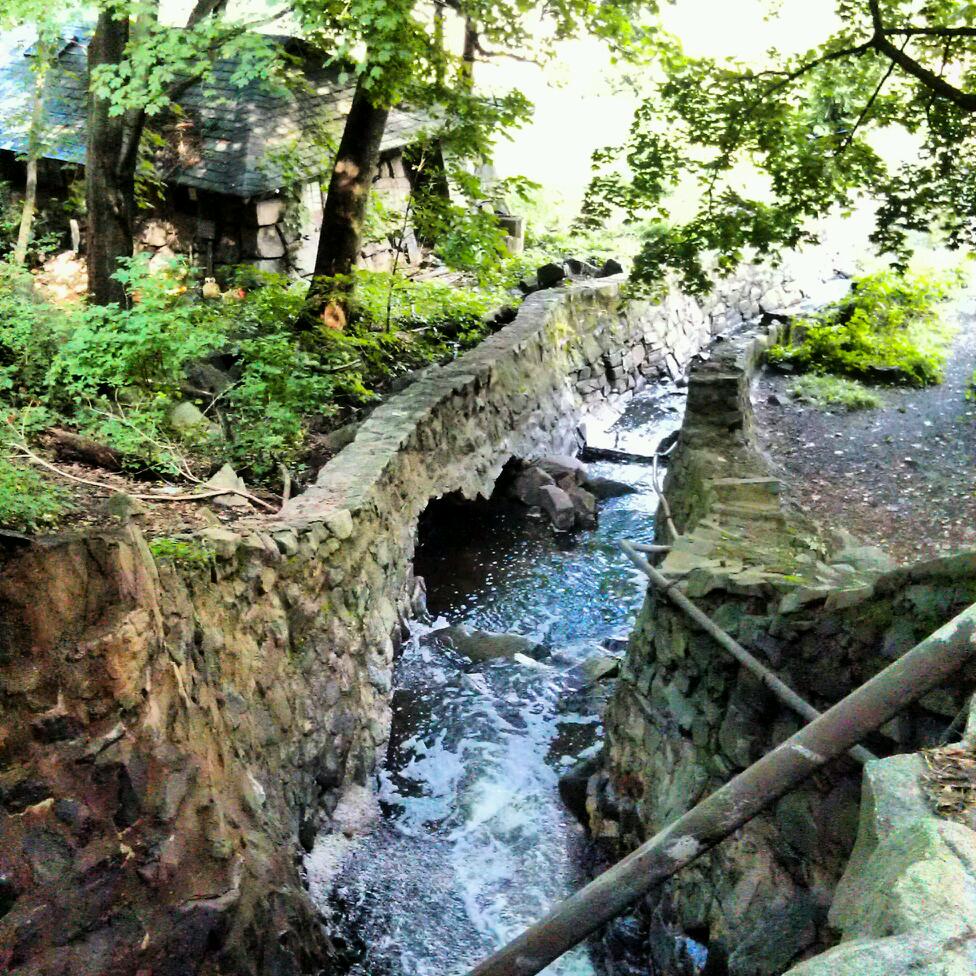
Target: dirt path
x=902, y=477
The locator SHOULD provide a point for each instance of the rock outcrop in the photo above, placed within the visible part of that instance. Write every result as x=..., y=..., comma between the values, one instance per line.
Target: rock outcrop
x=906, y=904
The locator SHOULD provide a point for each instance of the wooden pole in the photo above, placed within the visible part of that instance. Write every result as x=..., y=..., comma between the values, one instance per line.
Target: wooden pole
x=653, y=549
x=781, y=690
x=926, y=666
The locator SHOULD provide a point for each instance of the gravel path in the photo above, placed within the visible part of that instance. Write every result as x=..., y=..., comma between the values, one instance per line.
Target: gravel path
x=902, y=477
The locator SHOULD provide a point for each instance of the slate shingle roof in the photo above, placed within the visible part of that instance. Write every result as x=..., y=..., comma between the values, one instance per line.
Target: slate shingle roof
x=238, y=135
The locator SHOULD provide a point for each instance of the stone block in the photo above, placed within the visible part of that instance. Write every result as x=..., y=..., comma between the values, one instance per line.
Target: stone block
x=339, y=523
x=558, y=506
x=268, y=212
x=264, y=243
x=222, y=542
x=154, y=233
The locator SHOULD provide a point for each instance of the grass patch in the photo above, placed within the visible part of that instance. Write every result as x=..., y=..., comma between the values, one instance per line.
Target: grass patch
x=890, y=329
x=835, y=391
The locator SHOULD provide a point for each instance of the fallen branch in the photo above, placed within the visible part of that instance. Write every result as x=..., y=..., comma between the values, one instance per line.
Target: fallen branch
x=29, y=455
x=926, y=666
x=612, y=454
x=781, y=690
x=643, y=547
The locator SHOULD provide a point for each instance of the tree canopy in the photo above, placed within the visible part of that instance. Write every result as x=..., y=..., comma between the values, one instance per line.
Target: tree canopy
x=809, y=124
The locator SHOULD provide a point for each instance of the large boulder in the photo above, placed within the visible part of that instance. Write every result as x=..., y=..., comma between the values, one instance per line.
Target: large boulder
x=526, y=485
x=604, y=488
x=585, y=505
x=550, y=275
x=573, y=785
x=563, y=469
x=907, y=900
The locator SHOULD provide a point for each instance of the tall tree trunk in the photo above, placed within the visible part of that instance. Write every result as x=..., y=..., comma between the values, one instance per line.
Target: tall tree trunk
x=345, y=203
x=110, y=166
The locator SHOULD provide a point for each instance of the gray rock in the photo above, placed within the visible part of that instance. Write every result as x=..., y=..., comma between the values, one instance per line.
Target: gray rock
x=869, y=559
x=207, y=377
x=337, y=439
x=560, y=466
x=573, y=787
x=558, y=506
x=549, y=275
x=908, y=897
x=227, y=478
x=526, y=486
x=582, y=269
x=599, y=667
x=486, y=645
x=604, y=488
x=187, y=418
x=611, y=267
x=585, y=505
x=124, y=507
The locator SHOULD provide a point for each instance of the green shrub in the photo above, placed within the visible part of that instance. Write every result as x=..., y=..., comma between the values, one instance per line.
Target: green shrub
x=890, y=329
x=186, y=553
x=116, y=372
x=28, y=501
x=30, y=334
x=279, y=386
x=835, y=391
x=399, y=324
x=119, y=372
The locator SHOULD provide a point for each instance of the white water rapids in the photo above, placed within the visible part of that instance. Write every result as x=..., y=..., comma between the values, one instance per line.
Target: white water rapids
x=473, y=842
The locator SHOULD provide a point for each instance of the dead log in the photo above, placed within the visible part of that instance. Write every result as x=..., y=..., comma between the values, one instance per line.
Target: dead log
x=779, y=688
x=73, y=447
x=589, y=454
x=926, y=666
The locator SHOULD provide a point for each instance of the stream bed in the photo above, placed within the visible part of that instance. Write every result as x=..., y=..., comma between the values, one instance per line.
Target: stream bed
x=473, y=842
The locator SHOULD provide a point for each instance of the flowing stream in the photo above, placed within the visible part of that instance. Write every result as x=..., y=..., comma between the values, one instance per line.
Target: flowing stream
x=474, y=842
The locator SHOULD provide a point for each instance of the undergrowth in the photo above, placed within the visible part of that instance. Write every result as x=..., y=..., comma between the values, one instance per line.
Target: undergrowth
x=835, y=391
x=257, y=383
x=890, y=329
x=28, y=501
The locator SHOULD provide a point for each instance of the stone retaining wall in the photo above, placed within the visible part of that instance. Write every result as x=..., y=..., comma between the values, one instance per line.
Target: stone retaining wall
x=179, y=717
x=822, y=613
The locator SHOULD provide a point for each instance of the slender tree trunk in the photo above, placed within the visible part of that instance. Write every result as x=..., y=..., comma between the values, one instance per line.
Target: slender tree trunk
x=27, y=214
x=41, y=59
x=110, y=166
x=345, y=203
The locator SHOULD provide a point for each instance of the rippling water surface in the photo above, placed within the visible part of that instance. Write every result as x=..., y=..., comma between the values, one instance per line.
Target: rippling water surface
x=474, y=843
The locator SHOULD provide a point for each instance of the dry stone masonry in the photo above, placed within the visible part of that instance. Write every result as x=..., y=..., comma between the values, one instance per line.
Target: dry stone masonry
x=181, y=716
x=821, y=612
